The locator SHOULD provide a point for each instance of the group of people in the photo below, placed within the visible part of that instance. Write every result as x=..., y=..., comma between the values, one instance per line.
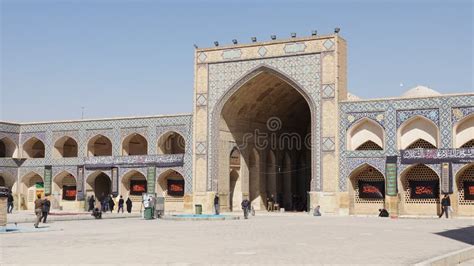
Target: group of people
x=42, y=207
x=107, y=203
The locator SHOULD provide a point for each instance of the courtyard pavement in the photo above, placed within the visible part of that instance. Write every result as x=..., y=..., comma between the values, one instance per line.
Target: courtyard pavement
x=264, y=239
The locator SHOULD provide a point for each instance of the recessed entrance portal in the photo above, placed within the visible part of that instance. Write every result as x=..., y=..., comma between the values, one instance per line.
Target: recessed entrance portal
x=99, y=184
x=266, y=121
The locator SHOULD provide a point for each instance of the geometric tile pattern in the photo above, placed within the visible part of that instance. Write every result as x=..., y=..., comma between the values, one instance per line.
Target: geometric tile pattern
x=328, y=91
x=328, y=44
x=328, y=144
x=226, y=77
x=262, y=51
x=444, y=111
x=201, y=99
x=81, y=131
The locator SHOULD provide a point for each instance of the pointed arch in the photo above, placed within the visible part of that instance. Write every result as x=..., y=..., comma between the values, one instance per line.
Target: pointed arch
x=255, y=75
x=366, y=189
x=64, y=185
x=7, y=180
x=33, y=148
x=463, y=132
x=416, y=128
x=365, y=134
x=171, y=142
x=31, y=185
x=99, y=145
x=8, y=148
x=134, y=144
x=65, y=147
x=133, y=183
x=162, y=182
x=99, y=184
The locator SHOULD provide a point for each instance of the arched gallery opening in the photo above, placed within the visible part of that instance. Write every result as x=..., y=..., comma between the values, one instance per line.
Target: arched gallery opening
x=133, y=185
x=367, y=190
x=465, y=190
x=98, y=184
x=171, y=185
x=99, y=146
x=269, y=121
x=7, y=148
x=171, y=143
x=134, y=144
x=420, y=194
x=31, y=185
x=464, y=133
x=64, y=191
x=418, y=132
x=65, y=147
x=9, y=181
x=33, y=148
x=365, y=135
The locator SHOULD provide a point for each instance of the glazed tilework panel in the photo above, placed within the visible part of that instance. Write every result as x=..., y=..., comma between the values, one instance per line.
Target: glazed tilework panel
x=82, y=131
x=303, y=69
x=443, y=111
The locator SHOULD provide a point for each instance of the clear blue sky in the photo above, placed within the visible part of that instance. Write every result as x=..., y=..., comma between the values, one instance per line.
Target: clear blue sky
x=126, y=58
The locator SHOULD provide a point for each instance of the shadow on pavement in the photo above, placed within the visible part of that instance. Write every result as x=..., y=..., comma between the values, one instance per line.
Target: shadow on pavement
x=465, y=234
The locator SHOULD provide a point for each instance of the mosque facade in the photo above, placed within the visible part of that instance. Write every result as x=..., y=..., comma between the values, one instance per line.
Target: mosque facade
x=272, y=122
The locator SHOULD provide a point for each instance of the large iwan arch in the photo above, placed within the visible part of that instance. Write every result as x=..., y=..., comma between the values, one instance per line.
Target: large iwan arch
x=265, y=101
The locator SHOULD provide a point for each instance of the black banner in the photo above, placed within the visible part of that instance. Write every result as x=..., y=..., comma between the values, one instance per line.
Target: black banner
x=468, y=190
x=137, y=187
x=432, y=156
x=176, y=188
x=424, y=189
x=371, y=189
x=69, y=192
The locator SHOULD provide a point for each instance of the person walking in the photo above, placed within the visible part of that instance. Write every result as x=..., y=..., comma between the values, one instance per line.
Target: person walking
x=111, y=203
x=216, y=204
x=105, y=204
x=10, y=202
x=45, y=209
x=91, y=203
x=120, y=204
x=245, y=207
x=445, y=205
x=129, y=205
x=38, y=210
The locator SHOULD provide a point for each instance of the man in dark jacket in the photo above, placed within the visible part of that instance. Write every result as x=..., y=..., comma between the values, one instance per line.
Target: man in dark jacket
x=445, y=204
x=120, y=204
x=245, y=207
x=129, y=205
x=46, y=207
x=10, y=202
x=216, y=204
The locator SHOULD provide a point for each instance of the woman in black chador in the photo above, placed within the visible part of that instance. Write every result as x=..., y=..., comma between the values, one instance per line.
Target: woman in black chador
x=129, y=205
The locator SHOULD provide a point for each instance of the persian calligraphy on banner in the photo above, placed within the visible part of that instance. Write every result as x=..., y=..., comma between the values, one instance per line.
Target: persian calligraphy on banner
x=431, y=156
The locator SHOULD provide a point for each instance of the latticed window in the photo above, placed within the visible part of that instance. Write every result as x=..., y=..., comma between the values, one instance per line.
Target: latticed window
x=466, y=177
x=369, y=146
x=421, y=173
x=469, y=144
x=369, y=174
x=421, y=144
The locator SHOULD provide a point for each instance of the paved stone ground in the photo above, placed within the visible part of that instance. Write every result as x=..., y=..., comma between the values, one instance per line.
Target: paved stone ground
x=263, y=239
